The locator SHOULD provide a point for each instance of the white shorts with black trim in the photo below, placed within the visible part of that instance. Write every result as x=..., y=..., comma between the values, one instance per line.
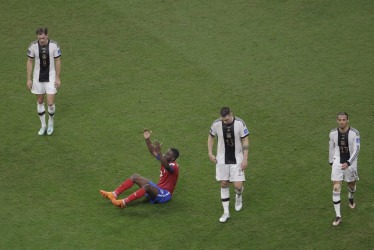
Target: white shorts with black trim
x=40, y=88
x=349, y=175
x=229, y=172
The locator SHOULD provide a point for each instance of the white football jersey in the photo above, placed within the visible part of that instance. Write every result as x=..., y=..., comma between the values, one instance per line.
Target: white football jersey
x=229, y=146
x=44, y=66
x=353, y=147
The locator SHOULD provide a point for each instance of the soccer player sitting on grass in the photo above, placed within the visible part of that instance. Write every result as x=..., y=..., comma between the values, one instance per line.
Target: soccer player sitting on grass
x=159, y=193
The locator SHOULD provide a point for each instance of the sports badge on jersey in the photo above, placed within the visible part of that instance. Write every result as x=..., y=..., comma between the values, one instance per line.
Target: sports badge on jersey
x=246, y=131
x=358, y=140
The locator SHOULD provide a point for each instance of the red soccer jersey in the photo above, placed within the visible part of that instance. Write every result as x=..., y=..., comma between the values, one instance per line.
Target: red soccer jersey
x=169, y=180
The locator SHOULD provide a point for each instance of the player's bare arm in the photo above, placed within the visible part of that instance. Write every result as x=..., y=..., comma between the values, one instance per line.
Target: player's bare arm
x=212, y=158
x=147, y=136
x=29, y=70
x=245, y=146
x=164, y=162
x=58, y=71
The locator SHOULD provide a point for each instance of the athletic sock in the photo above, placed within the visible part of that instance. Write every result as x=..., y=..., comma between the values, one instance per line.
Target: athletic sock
x=41, y=112
x=350, y=194
x=124, y=186
x=336, y=200
x=51, y=111
x=225, y=197
x=239, y=192
x=136, y=195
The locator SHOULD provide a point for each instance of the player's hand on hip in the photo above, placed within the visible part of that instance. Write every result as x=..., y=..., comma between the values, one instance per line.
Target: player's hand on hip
x=29, y=84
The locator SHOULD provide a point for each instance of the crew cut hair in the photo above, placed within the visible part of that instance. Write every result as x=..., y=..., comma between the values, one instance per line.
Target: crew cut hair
x=175, y=152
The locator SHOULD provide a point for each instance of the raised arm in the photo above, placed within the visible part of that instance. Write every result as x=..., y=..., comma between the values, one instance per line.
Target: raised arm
x=162, y=158
x=147, y=136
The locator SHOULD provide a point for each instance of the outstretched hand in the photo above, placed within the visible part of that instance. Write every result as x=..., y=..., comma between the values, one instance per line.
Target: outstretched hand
x=157, y=146
x=147, y=133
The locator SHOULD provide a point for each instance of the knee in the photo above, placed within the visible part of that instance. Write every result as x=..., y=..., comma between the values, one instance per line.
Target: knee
x=146, y=187
x=225, y=184
x=134, y=177
x=337, y=188
x=238, y=186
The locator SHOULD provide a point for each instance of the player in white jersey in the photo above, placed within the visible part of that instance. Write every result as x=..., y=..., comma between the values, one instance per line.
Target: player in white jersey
x=46, y=76
x=232, y=156
x=344, y=147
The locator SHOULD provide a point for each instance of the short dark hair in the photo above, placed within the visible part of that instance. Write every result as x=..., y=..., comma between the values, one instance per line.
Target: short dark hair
x=343, y=113
x=225, y=111
x=175, y=152
x=41, y=31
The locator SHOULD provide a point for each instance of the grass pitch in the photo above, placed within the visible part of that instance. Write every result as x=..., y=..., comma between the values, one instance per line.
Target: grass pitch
x=285, y=67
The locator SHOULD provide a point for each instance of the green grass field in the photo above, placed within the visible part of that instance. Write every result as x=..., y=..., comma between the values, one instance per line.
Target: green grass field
x=285, y=67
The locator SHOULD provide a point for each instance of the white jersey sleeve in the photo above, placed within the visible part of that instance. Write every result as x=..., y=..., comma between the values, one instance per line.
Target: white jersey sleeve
x=332, y=145
x=32, y=49
x=56, y=52
x=243, y=132
x=214, y=127
x=354, y=145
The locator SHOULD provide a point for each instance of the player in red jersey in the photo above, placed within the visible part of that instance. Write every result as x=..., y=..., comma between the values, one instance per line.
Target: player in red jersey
x=160, y=193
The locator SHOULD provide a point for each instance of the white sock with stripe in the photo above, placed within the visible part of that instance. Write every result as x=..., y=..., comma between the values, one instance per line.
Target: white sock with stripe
x=225, y=197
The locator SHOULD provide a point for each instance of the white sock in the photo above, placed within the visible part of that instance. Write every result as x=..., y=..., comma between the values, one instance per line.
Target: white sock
x=51, y=111
x=351, y=192
x=239, y=192
x=41, y=112
x=336, y=200
x=225, y=197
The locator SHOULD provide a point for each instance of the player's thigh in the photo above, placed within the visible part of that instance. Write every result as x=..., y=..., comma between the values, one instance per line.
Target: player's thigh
x=336, y=172
x=38, y=88
x=351, y=174
x=50, y=99
x=151, y=189
x=222, y=172
x=50, y=88
x=236, y=173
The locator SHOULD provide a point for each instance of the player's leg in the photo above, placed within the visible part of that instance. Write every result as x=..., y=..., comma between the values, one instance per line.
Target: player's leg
x=225, y=198
x=336, y=200
x=351, y=191
x=134, y=179
x=128, y=183
x=41, y=113
x=237, y=177
x=51, y=112
x=151, y=190
x=351, y=176
x=223, y=175
x=336, y=178
x=238, y=197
